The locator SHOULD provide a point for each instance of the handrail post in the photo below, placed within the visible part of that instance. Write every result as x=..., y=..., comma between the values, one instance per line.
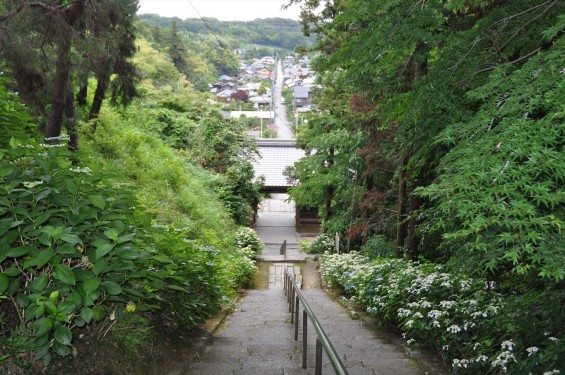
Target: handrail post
x=304, y=337
x=294, y=297
x=292, y=292
x=282, y=250
x=296, y=319
x=318, y=356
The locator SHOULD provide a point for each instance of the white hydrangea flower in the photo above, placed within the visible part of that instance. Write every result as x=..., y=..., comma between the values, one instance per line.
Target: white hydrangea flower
x=508, y=344
x=454, y=328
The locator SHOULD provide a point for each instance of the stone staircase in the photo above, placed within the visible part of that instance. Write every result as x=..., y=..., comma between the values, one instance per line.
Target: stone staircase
x=276, y=275
x=258, y=338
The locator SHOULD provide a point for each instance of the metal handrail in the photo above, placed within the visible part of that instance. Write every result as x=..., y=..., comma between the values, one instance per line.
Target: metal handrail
x=293, y=297
x=283, y=248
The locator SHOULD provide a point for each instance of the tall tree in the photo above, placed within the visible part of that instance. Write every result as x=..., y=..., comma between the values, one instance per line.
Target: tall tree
x=414, y=63
x=177, y=50
x=114, y=45
x=40, y=54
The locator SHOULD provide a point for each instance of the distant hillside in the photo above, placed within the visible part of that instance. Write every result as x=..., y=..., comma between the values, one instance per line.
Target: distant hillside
x=277, y=33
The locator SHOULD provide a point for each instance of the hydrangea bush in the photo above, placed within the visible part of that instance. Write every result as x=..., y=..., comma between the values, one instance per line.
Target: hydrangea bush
x=247, y=238
x=322, y=244
x=476, y=328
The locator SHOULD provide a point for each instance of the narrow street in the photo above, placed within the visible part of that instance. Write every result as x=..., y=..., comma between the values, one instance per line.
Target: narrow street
x=282, y=123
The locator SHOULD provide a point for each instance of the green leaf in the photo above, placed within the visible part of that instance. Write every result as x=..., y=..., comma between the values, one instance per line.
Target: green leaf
x=112, y=234
x=12, y=271
x=43, y=326
x=102, y=250
x=112, y=287
x=65, y=274
x=79, y=322
x=39, y=311
x=126, y=238
x=67, y=307
x=91, y=285
x=30, y=262
x=43, y=194
x=52, y=231
x=97, y=201
x=86, y=314
x=99, y=267
x=98, y=313
x=39, y=283
x=44, y=256
x=70, y=238
x=177, y=287
x=128, y=254
x=18, y=251
x=67, y=249
x=6, y=170
x=71, y=186
x=4, y=283
x=63, y=335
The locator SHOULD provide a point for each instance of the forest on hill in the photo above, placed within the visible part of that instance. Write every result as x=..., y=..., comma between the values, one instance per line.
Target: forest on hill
x=125, y=195
x=269, y=34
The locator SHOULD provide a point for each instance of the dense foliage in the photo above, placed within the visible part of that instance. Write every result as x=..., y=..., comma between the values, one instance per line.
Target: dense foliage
x=438, y=136
x=259, y=37
x=137, y=230
x=470, y=321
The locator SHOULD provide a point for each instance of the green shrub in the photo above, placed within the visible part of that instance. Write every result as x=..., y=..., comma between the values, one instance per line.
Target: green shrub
x=247, y=238
x=477, y=328
x=14, y=120
x=305, y=247
x=378, y=247
x=74, y=251
x=322, y=244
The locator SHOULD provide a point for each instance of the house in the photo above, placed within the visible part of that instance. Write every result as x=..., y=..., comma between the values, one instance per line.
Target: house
x=264, y=74
x=288, y=60
x=225, y=88
x=246, y=73
x=304, y=61
x=261, y=101
x=302, y=95
x=268, y=60
x=295, y=72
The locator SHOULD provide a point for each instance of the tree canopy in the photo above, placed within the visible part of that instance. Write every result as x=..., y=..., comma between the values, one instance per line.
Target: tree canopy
x=427, y=126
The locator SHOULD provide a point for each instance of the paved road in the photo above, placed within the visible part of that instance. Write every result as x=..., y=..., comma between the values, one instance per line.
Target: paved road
x=281, y=119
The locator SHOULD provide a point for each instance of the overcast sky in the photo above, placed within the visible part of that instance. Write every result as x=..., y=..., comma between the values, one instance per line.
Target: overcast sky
x=225, y=10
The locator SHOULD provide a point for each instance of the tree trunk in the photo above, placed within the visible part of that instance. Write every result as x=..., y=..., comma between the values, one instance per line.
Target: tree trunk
x=62, y=74
x=63, y=69
x=101, y=87
x=71, y=123
x=401, y=225
x=82, y=94
x=413, y=240
x=329, y=191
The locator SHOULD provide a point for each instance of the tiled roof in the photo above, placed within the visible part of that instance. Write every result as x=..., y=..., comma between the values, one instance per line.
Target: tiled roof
x=275, y=157
x=301, y=92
